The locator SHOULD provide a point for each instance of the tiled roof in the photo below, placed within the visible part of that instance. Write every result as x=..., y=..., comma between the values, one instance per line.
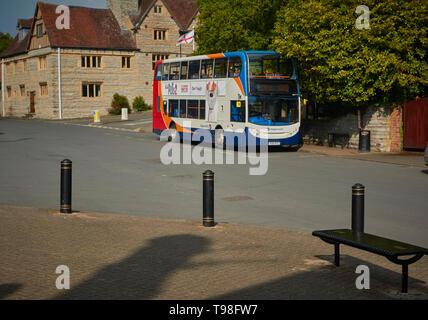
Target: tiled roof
x=17, y=46
x=182, y=11
x=89, y=28
x=25, y=23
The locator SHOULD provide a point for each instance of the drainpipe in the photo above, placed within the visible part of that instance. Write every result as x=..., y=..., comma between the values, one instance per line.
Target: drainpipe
x=59, y=84
x=2, y=88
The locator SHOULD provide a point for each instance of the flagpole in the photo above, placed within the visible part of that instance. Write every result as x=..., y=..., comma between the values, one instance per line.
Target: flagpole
x=180, y=50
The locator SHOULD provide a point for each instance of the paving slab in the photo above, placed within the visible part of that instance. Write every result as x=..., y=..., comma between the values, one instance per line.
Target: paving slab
x=113, y=256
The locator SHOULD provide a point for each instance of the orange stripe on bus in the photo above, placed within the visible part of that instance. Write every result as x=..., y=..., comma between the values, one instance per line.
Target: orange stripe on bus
x=216, y=56
x=239, y=83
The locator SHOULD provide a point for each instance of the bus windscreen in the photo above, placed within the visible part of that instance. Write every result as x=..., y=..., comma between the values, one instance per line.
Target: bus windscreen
x=269, y=66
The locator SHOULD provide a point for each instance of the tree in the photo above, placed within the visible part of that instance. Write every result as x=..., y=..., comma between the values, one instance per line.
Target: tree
x=5, y=41
x=230, y=25
x=339, y=63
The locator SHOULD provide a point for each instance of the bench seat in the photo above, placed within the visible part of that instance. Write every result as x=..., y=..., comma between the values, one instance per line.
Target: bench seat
x=391, y=249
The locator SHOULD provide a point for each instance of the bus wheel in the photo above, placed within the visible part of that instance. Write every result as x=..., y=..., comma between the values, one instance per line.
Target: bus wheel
x=219, y=138
x=172, y=132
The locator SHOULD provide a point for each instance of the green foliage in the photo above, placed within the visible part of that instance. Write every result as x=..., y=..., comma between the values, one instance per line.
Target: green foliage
x=5, y=41
x=118, y=103
x=339, y=63
x=140, y=105
x=231, y=25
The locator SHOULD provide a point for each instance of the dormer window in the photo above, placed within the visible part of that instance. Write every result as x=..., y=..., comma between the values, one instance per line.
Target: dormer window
x=22, y=34
x=39, y=29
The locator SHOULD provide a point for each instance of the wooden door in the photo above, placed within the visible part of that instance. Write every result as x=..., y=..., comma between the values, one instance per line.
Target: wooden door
x=416, y=124
x=32, y=102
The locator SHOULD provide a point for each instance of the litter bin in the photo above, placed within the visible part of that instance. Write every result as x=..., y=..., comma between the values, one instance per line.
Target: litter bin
x=364, y=143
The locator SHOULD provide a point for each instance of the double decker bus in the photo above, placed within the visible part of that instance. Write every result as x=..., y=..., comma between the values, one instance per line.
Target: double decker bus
x=254, y=94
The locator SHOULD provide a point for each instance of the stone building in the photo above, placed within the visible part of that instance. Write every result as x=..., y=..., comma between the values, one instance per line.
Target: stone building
x=54, y=73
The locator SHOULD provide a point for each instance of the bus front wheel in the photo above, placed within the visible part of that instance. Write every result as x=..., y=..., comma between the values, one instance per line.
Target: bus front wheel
x=172, y=132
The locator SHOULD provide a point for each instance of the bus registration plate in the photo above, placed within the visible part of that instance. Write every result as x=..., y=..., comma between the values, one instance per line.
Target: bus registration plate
x=274, y=143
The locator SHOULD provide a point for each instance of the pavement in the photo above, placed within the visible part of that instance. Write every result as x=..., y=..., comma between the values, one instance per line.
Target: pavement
x=140, y=256
x=112, y=256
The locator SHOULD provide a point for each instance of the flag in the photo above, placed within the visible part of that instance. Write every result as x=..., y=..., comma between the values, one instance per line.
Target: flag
x=186, y=38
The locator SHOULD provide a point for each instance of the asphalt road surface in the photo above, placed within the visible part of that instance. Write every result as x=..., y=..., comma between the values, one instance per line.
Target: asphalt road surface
x=121, y=172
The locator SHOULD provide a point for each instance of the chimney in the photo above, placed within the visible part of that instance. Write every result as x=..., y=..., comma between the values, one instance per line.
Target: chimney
x=121, y=10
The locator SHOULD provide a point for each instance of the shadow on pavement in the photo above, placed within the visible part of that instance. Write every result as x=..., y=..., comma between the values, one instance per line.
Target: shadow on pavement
x=328, y=282
x=8, y=289
x=141, y=275
x=424, y=171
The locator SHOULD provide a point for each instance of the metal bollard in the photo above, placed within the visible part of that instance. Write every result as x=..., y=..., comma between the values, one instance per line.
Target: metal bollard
x=208, y=199
x=66, y=167
x=358, y=208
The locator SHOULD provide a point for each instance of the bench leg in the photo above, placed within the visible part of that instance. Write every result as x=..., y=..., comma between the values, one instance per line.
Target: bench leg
x=405, y=278
x=336, y=255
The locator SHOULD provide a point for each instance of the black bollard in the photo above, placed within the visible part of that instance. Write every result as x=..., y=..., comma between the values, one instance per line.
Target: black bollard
x=358, y=208
x=208, y=199
x=66, y=166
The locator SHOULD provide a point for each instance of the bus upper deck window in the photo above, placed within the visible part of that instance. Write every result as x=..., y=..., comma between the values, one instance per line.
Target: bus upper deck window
x=184, y=67
x=194, y=69
x=165, y=72
x=174, y=73
x=235, y=66
x=206, y=69
x=220, y=68
x=158, y=75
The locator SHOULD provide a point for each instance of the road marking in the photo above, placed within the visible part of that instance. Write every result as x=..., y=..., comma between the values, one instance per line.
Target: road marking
x=137, y=123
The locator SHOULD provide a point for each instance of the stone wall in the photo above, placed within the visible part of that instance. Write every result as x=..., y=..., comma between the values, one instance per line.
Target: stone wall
x=384, y=124
x=112, y=77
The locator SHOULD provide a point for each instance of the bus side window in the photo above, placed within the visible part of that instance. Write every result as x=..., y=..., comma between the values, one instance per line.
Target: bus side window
x=220, y=68
x=207, y=69
x=158, y=104
x=183, y=110
x=237, y=111
x=165, y=72
x=165, y=107
x=173, y=108
x=235, y=66
x=183, y=73
x=202, y=109
x=192, y=109
x=158, y=74
x=174, y=72
x=194, y=69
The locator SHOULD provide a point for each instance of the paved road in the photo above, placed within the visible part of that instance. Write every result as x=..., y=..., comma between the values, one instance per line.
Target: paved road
x=120, y=172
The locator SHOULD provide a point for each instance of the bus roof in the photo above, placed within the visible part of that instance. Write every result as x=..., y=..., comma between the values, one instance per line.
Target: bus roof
x=216, y=55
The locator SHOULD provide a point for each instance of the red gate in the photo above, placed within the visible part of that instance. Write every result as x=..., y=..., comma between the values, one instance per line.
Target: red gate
x=416, y=124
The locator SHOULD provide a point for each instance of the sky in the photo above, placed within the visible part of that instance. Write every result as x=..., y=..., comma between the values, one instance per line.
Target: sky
x=12, y=10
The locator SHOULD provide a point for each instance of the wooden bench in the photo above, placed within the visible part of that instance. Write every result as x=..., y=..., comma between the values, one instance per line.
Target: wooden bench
x=341, y=139
x=390, y=249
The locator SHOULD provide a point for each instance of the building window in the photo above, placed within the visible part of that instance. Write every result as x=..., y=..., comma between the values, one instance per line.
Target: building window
x=39, y=29
x=159, y=35
x=158, y=9
x=24, y=65
x=43, y=89
x=91, y=90
x=22, y=89
x=7, y=68
x=157, y=57
x=15, y=67
x=126, y=62
x=43, y=64
x=9, y=92
x=91, y=62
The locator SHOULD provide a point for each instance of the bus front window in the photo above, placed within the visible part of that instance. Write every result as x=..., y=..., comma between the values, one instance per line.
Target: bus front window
x=273, y=111
x=269, y=66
